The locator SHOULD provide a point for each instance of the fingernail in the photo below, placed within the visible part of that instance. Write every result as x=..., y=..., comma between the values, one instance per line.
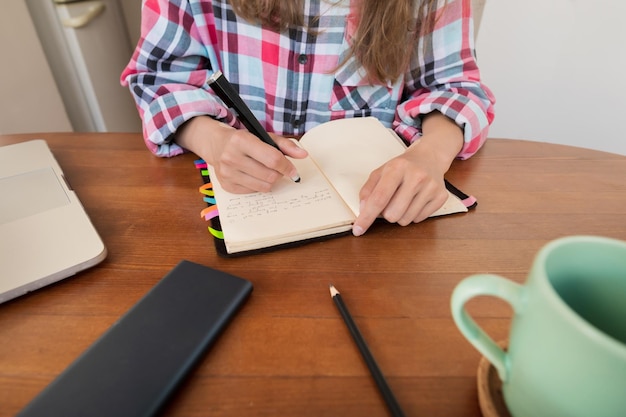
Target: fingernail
x=357, y=230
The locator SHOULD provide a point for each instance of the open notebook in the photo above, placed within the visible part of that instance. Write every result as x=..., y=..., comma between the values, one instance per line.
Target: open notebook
x=45, y=234
x=325, y=203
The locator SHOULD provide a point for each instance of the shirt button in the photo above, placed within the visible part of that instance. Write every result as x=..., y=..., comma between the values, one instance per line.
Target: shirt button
x=303, y=59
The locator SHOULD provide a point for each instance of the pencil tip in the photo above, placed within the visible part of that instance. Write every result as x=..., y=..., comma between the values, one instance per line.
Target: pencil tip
x=333, y=290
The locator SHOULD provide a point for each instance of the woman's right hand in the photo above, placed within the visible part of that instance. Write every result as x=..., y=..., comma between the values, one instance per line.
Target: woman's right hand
x=242, y=162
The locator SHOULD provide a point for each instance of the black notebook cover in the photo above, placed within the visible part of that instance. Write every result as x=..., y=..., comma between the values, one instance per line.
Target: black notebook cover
x=135, y=366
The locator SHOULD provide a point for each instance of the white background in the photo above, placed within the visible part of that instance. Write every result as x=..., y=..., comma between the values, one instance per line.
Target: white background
x=558, y=70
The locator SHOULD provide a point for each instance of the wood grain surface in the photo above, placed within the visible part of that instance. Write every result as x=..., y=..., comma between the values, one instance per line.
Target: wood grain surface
x=288, y=352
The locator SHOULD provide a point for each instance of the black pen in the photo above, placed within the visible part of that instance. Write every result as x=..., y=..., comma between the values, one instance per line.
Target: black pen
x=379, y=378
x=225, y=90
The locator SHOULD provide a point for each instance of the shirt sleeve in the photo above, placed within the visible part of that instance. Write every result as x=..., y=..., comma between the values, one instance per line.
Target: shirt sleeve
x=446, y=78
x=167, y=73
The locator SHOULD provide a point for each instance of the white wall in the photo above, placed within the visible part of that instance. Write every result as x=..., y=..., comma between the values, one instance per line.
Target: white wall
x=29, y=100
x=558, y=70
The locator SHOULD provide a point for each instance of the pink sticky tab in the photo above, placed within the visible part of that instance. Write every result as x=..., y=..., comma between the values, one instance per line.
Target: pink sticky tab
x=209, y=213
x=469, y=201
x=200, y=163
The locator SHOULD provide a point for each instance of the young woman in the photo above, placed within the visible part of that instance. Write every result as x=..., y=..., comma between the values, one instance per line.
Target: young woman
x=299, y=63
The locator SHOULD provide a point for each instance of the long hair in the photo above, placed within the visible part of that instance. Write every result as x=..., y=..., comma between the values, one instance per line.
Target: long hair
x=387, y=32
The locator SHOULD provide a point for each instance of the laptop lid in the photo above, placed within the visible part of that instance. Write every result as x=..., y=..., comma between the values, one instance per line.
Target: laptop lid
x=45, y=233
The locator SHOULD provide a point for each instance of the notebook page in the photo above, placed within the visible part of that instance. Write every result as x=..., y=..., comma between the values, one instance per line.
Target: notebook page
x=348, y=150
x=288, y=211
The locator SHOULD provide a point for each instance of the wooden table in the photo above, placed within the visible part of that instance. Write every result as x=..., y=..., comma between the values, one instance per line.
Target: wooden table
x=288, y=353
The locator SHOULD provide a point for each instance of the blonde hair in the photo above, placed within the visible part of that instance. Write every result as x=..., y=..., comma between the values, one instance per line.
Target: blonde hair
x=386, y=34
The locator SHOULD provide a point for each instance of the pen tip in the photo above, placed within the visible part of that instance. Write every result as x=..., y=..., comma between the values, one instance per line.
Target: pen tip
x=296, y=179
x=333, y=290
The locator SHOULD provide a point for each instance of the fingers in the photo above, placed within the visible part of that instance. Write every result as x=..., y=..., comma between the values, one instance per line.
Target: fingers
x=244, y=174
x=248, y=164
x=423, y=205
x=399, y=196
x=290, y=148
x=374, y=197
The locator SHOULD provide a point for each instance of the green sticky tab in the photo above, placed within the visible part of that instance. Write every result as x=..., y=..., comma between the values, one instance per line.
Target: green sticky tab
x=217, y=233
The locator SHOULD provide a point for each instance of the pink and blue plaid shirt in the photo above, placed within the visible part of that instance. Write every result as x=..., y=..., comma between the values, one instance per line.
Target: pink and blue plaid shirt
x=290, y=80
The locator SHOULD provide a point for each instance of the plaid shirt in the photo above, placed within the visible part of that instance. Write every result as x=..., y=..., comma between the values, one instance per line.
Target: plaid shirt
x=290, y=80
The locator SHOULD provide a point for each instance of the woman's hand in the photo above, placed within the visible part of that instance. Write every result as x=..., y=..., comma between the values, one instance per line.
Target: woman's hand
x=409, y=188
x=242, y=162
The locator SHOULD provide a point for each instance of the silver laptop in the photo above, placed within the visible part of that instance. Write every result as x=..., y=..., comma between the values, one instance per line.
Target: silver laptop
x=45, y=233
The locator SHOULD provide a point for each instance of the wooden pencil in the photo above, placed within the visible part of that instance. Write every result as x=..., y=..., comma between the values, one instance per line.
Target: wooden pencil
x=378, y=376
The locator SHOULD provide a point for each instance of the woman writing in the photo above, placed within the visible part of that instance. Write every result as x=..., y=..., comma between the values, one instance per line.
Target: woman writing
x=299, y=63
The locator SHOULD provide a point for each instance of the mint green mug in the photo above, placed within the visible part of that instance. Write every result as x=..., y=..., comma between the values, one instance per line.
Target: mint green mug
x=566, y=352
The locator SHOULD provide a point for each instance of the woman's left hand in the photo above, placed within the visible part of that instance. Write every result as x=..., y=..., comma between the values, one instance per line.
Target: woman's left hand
x=409, y=188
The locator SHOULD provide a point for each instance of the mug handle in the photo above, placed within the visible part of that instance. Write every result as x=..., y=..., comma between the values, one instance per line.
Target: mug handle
x=489, y=285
